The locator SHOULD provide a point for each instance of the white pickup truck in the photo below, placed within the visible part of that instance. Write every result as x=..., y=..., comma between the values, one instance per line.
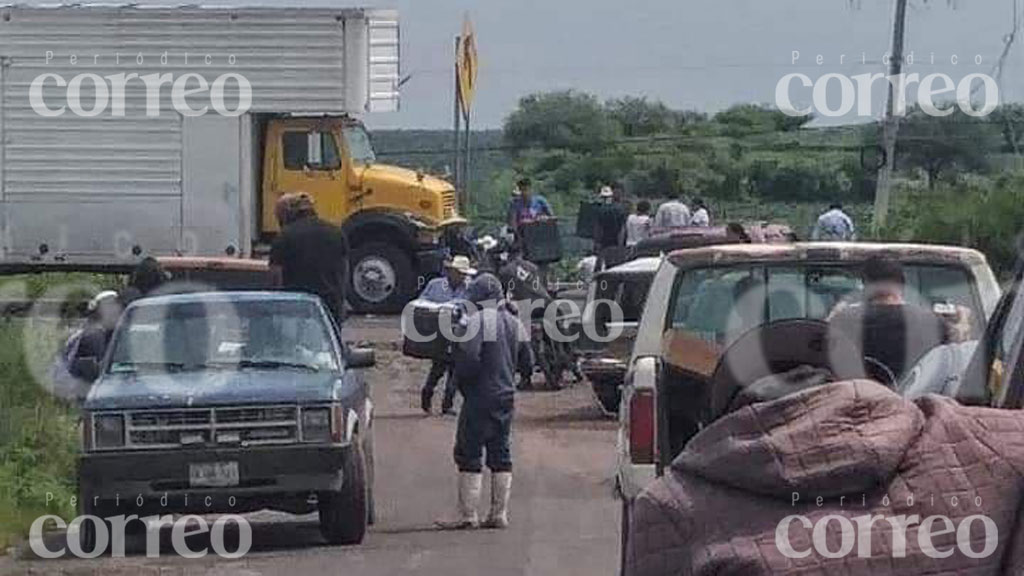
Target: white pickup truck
x=691, y=310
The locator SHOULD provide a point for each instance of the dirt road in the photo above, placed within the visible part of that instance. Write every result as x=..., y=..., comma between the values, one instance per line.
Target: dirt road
x=564, y=516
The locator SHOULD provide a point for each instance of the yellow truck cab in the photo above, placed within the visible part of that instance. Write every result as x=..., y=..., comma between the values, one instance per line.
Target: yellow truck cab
x=394, y=218
x=172, y=175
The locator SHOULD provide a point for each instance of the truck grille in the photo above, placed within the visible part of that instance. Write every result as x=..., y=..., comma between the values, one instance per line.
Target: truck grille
x=251, y=425
x=450, y=209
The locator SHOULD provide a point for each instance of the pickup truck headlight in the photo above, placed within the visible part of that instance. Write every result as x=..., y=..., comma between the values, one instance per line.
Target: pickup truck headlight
x=316, y=424
x=108, y=430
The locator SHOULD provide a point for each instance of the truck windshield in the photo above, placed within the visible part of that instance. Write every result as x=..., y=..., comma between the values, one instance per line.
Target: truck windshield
x=223, y=335
x=360, y=149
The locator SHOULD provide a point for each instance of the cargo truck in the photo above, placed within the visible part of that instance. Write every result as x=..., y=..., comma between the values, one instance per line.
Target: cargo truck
x=133, y=131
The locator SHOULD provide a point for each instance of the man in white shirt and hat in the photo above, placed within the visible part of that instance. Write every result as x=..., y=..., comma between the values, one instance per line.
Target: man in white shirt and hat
x=451, y=286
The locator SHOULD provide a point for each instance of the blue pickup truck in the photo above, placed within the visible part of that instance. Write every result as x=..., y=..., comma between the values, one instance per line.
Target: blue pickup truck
x=229, y=403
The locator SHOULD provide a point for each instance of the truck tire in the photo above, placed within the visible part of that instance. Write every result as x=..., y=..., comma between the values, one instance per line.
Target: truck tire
x=87, y=530
x=344, y=514
x=383, y=278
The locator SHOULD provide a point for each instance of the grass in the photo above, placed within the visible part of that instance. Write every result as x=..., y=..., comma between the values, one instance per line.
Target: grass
x=38, y=434
x=55, y=285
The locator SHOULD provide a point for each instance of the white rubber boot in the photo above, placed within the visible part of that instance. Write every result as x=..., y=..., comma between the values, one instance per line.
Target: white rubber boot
x=501, y=491
x=470, y=488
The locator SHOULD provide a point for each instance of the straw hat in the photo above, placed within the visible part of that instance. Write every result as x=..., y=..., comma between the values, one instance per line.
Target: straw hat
x=461, y=264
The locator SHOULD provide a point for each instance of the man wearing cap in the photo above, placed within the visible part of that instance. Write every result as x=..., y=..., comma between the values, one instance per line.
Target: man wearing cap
x=451, y=286
x=310, y=255
x=485, y=360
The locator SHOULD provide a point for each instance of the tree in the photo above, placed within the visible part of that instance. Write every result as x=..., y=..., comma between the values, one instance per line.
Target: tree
x=639, y=117
x=1010, y=120
x=944, y=144
x=745, y=119
x=567, y=120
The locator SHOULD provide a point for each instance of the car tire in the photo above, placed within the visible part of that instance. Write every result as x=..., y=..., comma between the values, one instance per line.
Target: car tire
x=344, y=514
x=87, y=530
x=394, y=278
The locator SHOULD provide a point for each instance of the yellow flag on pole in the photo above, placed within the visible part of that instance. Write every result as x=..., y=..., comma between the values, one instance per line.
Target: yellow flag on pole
x=466, y=65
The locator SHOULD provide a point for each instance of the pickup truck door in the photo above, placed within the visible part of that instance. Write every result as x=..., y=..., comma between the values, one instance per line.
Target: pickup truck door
x=996, y=372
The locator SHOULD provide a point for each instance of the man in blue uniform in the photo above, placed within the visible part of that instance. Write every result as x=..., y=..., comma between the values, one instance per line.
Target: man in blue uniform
x=485, y=364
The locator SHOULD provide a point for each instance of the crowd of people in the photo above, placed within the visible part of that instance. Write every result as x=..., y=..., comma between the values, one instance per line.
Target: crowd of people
x=311, y=255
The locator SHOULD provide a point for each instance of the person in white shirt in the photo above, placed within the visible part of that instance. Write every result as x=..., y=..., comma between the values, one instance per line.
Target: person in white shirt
x=834, y=225
x=700, y=214
x=638, y=226
x=672, y=214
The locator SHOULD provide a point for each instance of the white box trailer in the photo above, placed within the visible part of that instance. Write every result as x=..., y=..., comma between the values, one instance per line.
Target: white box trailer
x=86, y=184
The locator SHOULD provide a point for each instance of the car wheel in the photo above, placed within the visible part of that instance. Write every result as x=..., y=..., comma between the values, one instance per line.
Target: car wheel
x=87, y=529
x=343, y=514
x=382, y=278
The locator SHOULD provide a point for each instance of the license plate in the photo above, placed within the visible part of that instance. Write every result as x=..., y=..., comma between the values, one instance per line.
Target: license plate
x=213, y=474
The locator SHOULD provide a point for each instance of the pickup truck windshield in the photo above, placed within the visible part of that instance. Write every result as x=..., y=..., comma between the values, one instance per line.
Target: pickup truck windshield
x=266, y=335
x=360, y=149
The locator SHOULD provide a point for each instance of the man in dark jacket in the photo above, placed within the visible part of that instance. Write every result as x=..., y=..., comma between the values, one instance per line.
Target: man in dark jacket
x=485, y=368
x=890, y=329
x=310, y=255
x=148, y=277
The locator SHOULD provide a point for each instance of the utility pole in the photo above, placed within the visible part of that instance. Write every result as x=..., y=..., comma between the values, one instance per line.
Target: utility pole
x=456, y=144
x=466, y=166
x=891, y=122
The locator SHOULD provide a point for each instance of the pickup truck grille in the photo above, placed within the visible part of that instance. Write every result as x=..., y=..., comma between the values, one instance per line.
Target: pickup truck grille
x=251, y=425
x=448, y=197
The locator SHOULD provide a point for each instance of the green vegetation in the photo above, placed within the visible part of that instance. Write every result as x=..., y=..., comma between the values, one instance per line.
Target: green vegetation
x=985, y=213
x=956, y=175
x=38, y=434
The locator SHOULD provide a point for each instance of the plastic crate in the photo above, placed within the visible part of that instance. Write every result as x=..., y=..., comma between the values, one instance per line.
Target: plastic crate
x=426, y=319
x=541, y=241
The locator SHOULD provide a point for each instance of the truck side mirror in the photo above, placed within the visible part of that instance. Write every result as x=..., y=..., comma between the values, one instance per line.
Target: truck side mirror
x=86, y=368
x=360, y=358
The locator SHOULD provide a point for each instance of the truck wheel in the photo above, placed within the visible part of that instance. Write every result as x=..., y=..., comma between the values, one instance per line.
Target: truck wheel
x=383, y=278
x=87, y=530
x=343, y=514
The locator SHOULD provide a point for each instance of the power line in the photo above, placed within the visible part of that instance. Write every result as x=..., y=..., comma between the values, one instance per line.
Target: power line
x=695, y=140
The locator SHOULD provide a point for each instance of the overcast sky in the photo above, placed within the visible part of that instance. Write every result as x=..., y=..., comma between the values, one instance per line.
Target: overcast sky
x=703, y=55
